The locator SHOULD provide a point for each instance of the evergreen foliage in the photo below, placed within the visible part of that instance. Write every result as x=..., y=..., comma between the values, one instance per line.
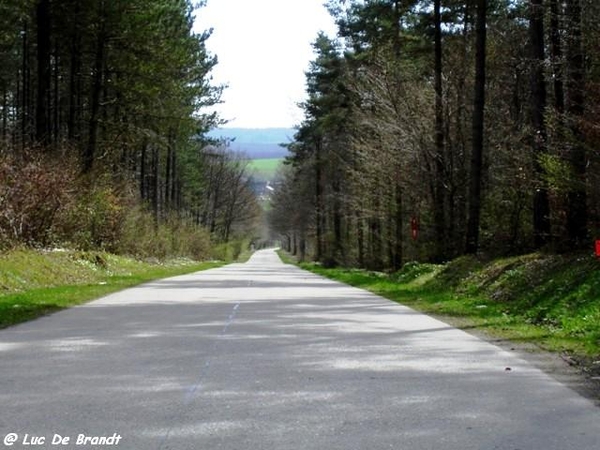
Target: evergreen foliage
x=115, y=95
x=438, y=128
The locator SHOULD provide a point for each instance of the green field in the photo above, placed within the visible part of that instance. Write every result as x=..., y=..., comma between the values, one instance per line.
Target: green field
x=265, y=169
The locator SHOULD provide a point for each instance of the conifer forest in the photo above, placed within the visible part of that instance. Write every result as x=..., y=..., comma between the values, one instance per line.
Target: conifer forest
x=435, y=129
x=104, y=110
x=431, y=129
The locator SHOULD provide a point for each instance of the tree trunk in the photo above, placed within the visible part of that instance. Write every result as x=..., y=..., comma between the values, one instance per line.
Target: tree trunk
x=74, y=121
x=360, y=240
x=216, y=197
x=26, y=103
x=169, y=170
x=338, y=246
x=143, y=185
x=319, y=202
x=398, y=238
x=155, y=185
x=556, y=51
x=541, y=206
x=4, y=117
x=439, y=204
x=55, y=104
x=577, y=196
x=172, y=192
x=478, y=129
x=97, y=83
x=302, y=246
x=44, y=74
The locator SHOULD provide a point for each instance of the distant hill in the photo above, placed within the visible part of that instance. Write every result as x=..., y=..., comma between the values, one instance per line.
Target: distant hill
x=257, y=143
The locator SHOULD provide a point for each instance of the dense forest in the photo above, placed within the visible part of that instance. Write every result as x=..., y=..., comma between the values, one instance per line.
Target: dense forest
x=104, y=110
x=439, y=128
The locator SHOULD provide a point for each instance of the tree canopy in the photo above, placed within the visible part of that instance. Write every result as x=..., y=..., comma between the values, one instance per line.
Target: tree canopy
x=436, y=128
x=120, y=91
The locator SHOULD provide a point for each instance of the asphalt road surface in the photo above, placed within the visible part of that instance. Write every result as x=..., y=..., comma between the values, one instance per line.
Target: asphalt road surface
x=265, y=356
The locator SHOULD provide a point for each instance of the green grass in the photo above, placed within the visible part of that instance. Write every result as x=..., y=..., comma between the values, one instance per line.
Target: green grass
x=33, y=283
x=286, y=258
x=265, y=169
x=548, y=300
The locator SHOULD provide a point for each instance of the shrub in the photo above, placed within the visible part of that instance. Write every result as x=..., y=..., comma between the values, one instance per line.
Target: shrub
x=44, y=202
x=176, y=237
x=34, y=192
x=96, y=216
x=230, y=251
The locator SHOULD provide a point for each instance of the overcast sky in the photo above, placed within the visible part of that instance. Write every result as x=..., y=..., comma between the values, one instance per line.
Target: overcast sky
x=264, y=48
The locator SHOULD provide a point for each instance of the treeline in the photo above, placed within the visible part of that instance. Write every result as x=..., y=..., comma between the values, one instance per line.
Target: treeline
x=104, y=107
x=438, y=128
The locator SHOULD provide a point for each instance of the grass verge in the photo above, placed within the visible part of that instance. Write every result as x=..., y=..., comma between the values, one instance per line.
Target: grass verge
x=33, y=283
x=551, y=301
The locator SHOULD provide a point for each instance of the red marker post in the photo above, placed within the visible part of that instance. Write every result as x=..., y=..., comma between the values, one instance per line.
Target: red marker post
x=597, y=248
x=414, y=228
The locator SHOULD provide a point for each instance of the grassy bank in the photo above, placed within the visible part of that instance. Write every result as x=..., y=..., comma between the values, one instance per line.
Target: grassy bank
x=34, y=283
x=552, y=301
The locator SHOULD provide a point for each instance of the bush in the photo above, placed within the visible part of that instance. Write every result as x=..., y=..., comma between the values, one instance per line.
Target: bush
x=45, y=203
x=96, y=216
x=230, y=251
x=142, y=238
x=34, y=193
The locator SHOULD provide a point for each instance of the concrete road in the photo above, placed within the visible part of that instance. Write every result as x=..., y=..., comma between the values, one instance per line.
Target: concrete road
x=266, y=356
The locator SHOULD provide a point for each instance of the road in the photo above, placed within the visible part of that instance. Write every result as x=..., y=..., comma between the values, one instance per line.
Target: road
x=266, y=356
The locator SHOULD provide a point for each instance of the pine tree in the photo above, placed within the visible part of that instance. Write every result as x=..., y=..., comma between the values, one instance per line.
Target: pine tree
x=478, y=130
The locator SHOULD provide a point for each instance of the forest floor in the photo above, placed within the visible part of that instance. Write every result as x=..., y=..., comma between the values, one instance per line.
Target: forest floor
x=545, y=306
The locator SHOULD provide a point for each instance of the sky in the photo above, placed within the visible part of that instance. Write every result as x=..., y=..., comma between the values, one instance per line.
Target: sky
x=264, y=49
